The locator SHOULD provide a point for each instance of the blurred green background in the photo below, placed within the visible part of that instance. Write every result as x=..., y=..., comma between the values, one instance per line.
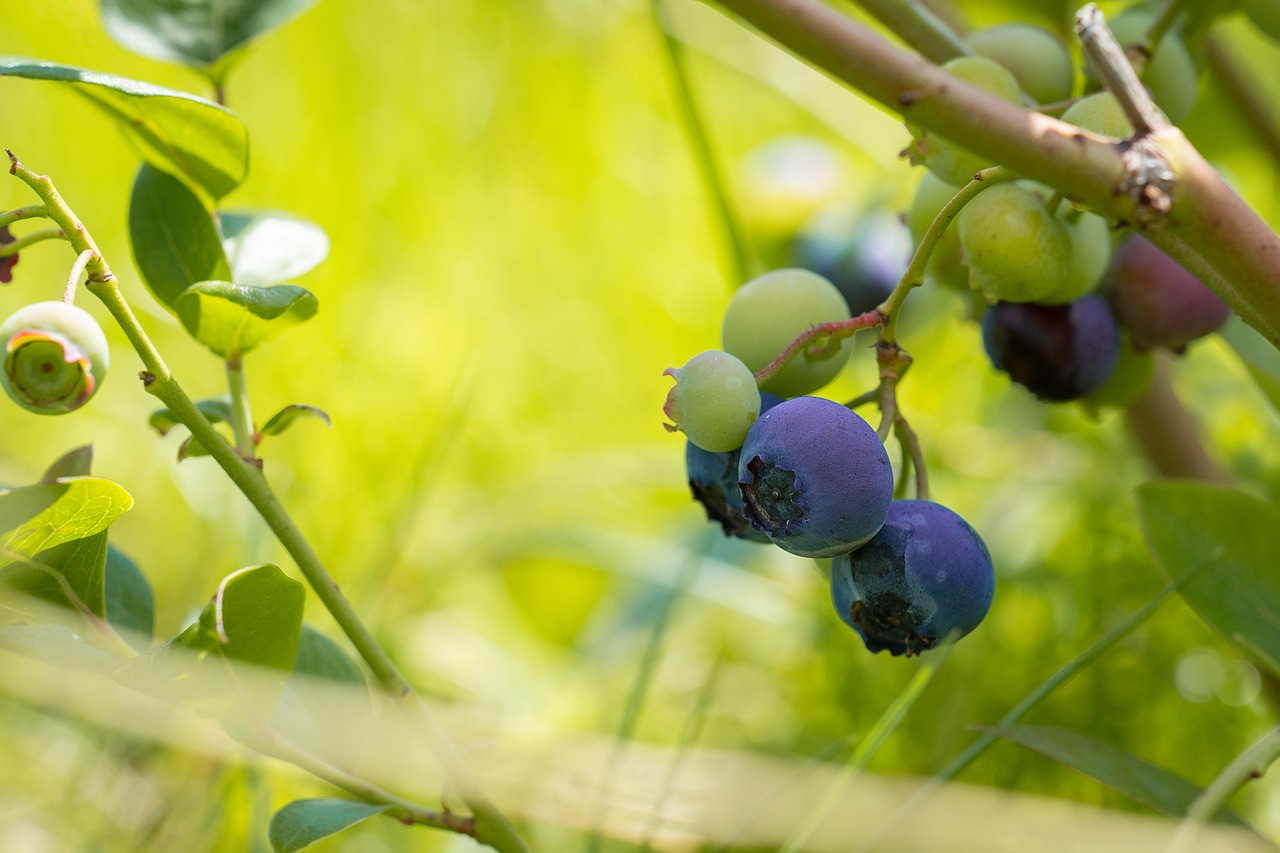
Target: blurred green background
x=521, y=242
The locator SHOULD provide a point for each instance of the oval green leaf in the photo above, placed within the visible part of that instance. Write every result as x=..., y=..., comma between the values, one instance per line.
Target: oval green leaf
x=73, y=463
x=304, y=822
x=286, y=417
x=174, y=239
x=255, y=617
x=233, y=319
x=37, y=518
x=130, y=604
x=265, y=247
x=80, y=564
x=1229, y=538
x=201, y=142
x=322, y=658
x=195, y=32
x=215, y=409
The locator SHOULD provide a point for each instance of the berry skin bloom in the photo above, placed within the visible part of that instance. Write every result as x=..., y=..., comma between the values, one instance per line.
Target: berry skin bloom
x=926, y=574
x=815, y=478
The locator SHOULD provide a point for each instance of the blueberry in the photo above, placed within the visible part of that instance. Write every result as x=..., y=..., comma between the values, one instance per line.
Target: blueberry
x=926, y=574
x=863, y=260
x=1057, y=352
x=815, y=477
x=55, y=357
x=713, y=479
x=1156, y=299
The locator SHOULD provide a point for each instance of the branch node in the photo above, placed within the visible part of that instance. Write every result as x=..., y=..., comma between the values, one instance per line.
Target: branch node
x=1148, y=181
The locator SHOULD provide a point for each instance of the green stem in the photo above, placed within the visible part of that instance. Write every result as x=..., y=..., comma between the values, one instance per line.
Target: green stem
x=73, y=278
x=1118, y=73
x=1245, y=767
x=33, y=211
x=1150, y=41
x=492, y=827
x=919, y=27
x=743, y=266
x=241, y=414
x=829, y=333
x=30, y=239
x=1241, y=88
x=913, y=276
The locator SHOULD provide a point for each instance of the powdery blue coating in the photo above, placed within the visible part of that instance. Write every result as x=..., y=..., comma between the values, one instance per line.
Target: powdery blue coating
x=815, y=478
x=713, y=479
x=1057, y=352
x=925, y=574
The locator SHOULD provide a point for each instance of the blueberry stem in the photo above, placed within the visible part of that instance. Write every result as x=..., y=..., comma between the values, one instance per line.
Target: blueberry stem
x=33, y=211
x=492, y=827
x=77, y=272
x=911, y=447
x=1141, y=51
x=831, y=332
x=30, y=239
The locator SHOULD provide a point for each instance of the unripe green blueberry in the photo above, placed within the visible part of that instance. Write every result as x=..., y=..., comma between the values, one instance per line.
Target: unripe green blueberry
x=1090, y=237
x=1100, y=113
x=946, y=159
x=1016, y=250
x=1036, y=57
x=769, y=312
x=714, y=402
x=55, y=357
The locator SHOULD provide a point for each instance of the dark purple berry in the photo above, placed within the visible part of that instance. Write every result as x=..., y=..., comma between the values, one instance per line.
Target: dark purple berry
x=713, y=479
x=926, y=574
x=863, y=260
x=1157, y=300
x=1057, y=352
x=8, y=262
x=815, y=477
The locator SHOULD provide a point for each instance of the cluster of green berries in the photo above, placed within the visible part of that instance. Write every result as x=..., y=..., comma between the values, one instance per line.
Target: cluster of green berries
x=772, y=463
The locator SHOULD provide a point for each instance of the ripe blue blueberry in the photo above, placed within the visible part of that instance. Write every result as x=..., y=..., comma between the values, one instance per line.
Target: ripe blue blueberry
x=815, y=478
x=713, y=479
x=926, y=574
x=1057, y=352
x=864, y=260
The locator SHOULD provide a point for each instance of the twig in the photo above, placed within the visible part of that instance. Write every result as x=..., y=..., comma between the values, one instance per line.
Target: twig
x=1117, y=74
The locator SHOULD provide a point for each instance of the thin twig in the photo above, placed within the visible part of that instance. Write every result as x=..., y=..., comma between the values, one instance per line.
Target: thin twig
x=1117, y=74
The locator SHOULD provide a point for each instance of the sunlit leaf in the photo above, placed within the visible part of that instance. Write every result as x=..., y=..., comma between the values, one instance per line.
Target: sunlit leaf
x=175, y=242
x=130, y=605
x=195, y=32
x=232, y=319
x=1139, y=780
x=202, y=143
x=37, y=518
x=304, y=822
x=1230, y=538
x=265, y=247
x=286, y=417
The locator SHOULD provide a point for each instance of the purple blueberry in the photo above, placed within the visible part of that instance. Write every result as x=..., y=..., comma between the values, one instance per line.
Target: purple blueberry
x=1157, y=300
x=8, y=262
x=815, y=478
x=926, y=574
x=1057, y=352
x=713, y=479
x=864, y=261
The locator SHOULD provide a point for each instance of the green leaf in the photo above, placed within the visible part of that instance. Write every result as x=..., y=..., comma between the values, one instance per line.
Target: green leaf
x=265, y=247
x=215, y=410
x=37, y=518
x=254, y=618
x=233, y=319
x=195, y=32
x=1155, y=787
x=1230, y=538
x=286, y=417
x=199, y=141
x=1256, y=353
x=304, y=822
x=322, y=658
x=191, y=448
x=73, y=463
x=130, y=605
x=174, y=238
x=80, y=563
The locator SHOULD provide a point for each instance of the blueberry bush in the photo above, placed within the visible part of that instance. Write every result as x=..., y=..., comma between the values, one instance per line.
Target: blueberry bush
x=969, y=307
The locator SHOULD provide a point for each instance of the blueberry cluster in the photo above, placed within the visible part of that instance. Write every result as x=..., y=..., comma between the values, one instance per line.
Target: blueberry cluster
x=811, y=476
